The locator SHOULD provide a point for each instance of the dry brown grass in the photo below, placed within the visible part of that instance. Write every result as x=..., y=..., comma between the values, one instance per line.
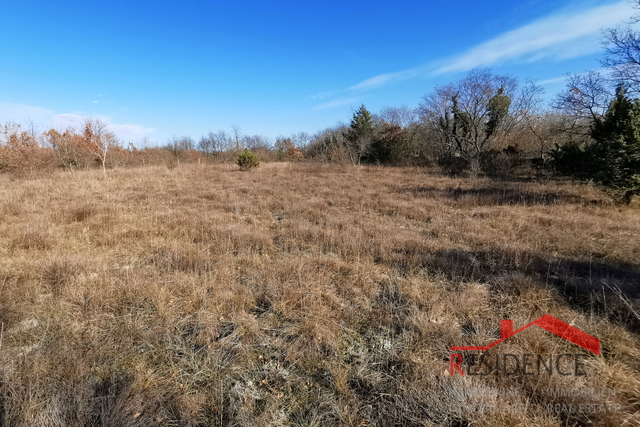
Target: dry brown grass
x=301, y=294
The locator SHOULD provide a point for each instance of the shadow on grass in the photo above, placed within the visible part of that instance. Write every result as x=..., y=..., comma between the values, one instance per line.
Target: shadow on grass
x=499, y=194
x=606, y=289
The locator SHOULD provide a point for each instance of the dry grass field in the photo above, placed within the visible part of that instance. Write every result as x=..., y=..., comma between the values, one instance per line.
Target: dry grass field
x=306, y=295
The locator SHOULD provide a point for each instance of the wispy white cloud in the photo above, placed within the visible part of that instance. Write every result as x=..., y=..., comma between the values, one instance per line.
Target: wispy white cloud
x=564, y=35
x=65, y=121
x=561, y=36
x=323, y=95
x=22, y=114
x=45, y=118
x=383, y=79
x=125, y=132
x=335, y=103
x=131, y=132
x=552, y=81
x=563, y=79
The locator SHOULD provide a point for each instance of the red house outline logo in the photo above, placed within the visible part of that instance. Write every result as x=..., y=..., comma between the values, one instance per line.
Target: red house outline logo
x=549, y=323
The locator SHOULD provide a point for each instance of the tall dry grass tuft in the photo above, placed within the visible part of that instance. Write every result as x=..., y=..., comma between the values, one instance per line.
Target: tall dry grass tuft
x=31, y=237
x=303, y=294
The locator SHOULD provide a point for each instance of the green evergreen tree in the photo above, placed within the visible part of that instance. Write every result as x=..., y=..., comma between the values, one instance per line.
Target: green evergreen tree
x=247, y=160
x=615, y=154
x=498, y=109
x=613, y=158
x=361, y=123
x=358, y=135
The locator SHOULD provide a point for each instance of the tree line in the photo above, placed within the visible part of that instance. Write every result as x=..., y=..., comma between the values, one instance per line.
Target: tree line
x=495, y=124
x=93, y=145
x=483, y=123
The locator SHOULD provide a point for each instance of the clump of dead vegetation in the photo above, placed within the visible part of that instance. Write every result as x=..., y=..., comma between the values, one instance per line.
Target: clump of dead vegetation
x=303, y=294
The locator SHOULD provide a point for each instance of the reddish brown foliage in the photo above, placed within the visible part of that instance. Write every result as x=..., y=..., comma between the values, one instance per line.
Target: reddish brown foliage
x=294, y=154
x=21, y=153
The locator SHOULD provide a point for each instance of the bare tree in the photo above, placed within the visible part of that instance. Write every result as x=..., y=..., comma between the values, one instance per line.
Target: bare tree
x=329, y=144
x=18, y=148
x=283, y=145
x=587, y=95
x=236, y=132
x=525, y=104
x=623, y=53
x=179, y=144
x=9, y=130
x=475, y=114
x=99, y=140
x=34, y=133
x=223, y=141
x=214, y=143
x=206, y=144
x=255, y=142
x=402, y=116
x=301, y=139
x=583, y=102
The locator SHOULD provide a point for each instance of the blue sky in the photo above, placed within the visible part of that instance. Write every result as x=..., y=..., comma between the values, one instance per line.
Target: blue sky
x=154, y=69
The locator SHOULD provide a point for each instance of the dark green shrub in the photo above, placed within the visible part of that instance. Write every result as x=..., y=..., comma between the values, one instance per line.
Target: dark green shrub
x=572, y=159
x=452, y=164
x=500, y=163
x=247, y=160
x=389, y=146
